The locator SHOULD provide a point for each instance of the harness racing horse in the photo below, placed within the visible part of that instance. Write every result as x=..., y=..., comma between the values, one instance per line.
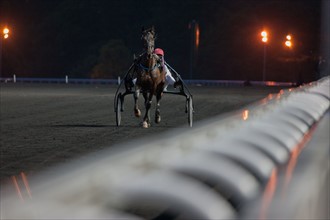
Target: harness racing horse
x=150, y=79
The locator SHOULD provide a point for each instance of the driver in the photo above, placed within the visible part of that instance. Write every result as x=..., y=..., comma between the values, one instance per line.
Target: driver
x=169, y=80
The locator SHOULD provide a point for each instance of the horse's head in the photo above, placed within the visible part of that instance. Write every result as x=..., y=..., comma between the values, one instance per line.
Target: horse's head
x=148, y=70
x=148, y=40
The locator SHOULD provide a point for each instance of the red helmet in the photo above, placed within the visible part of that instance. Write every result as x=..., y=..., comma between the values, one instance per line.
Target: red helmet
x=159, y=51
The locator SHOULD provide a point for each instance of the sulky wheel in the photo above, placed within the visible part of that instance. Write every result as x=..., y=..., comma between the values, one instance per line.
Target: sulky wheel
x=118, y=109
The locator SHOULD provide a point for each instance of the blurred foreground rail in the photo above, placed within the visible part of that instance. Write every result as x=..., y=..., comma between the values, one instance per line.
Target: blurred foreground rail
x=270, y=156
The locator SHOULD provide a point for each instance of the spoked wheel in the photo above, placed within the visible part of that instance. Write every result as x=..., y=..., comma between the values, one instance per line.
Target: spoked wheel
x=190, y=111
x=118, y=109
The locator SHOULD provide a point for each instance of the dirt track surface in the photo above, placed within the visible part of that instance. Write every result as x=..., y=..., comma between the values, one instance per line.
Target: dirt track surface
x=46, y=124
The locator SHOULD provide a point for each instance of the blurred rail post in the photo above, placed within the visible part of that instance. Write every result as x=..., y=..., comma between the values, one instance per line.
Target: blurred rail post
x=66, y=79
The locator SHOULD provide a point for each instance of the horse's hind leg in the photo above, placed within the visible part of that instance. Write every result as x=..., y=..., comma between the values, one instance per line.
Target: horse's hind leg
x=137, y=111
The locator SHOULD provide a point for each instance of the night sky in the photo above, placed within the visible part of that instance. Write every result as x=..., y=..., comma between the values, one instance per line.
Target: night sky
x=98, y=38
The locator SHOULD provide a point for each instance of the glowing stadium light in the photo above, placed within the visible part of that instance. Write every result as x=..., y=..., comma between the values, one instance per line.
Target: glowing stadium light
x=5, y=35
x=264, y=36
x=288, y=42
x=5, y=32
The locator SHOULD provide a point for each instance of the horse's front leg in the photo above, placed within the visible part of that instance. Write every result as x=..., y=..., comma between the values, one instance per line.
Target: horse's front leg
x=157, y=114
x=137, y=111
x=148, y=101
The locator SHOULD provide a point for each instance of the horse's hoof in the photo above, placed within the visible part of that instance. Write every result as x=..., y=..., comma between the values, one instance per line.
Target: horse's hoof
x=157, y=119
x=137, y=113
x=145, y=124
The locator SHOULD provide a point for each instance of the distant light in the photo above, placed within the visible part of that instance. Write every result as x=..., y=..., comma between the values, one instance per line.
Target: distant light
x=5, y=31
x=288, y=43
x=264, y=35
x=271, y=83
x=197, y=35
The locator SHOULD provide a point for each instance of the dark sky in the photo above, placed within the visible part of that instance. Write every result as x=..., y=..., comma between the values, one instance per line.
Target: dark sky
x=54, y=38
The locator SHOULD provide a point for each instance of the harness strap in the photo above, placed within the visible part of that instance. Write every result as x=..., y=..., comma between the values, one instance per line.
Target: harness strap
x=147, y=68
